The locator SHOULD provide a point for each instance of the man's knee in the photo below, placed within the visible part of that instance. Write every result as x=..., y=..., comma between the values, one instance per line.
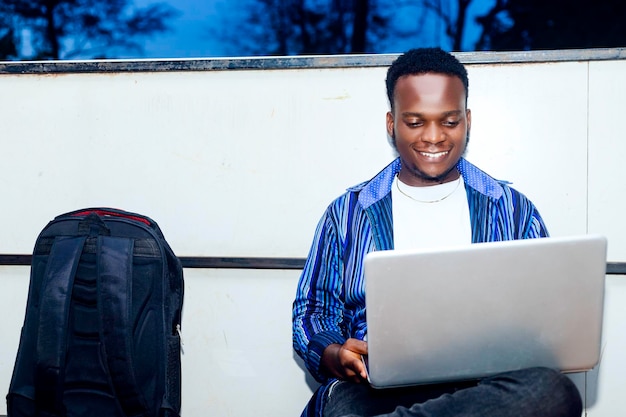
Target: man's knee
x=560, y=385
x=553, y=392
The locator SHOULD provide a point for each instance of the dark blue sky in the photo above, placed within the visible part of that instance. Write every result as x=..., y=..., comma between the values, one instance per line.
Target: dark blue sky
x=196, y=31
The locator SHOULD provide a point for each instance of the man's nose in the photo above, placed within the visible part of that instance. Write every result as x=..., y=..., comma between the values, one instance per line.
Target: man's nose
x=432, y=133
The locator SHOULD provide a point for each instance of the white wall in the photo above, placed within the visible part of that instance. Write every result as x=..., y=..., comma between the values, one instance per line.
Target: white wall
x=242, y=163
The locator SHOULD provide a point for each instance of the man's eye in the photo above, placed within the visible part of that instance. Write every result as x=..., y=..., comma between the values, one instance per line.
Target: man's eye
x=414, y=123
x=451, y=123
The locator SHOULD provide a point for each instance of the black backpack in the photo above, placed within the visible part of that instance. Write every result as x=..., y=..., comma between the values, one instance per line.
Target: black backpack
x=102, y=324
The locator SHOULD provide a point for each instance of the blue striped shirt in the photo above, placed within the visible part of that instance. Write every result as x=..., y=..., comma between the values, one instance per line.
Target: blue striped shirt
x=330, y=301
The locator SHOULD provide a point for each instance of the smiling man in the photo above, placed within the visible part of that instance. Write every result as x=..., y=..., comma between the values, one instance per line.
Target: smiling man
x=429, y=196
x=429, y=124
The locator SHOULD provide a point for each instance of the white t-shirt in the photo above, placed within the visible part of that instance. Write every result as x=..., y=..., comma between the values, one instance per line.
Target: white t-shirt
x=432, y=216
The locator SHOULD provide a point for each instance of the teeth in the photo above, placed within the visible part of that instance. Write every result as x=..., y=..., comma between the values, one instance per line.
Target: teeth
x=434, y=155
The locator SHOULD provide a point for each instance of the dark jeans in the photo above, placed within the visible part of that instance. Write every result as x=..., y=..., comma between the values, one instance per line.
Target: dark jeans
x=535, y=392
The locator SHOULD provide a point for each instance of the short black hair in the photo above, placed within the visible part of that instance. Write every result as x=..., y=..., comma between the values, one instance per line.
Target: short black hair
x=423, y=61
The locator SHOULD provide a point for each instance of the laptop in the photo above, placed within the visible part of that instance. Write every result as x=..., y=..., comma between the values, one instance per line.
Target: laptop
x=471, y=311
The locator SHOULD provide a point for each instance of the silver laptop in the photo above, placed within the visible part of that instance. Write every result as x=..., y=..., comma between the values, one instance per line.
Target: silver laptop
x=477, y=310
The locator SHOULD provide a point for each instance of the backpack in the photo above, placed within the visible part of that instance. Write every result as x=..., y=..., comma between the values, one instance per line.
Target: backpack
x=102, y=323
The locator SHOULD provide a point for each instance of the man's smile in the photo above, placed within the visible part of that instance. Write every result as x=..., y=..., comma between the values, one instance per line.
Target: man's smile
x=434, y=155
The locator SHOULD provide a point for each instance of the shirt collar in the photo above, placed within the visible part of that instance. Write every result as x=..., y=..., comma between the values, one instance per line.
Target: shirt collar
x=378, y=187
x=479, y=180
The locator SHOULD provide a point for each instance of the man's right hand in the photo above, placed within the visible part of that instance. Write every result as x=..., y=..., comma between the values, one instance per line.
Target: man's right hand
x=344, y=361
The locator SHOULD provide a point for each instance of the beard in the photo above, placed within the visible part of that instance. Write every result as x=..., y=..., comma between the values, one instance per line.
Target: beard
x=419, y=174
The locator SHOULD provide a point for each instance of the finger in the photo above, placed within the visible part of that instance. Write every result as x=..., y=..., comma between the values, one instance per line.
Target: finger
x=352, y=376
x=354, y=366
x=356, y=345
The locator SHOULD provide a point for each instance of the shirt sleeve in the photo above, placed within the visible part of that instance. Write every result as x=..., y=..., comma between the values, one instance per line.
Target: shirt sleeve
x=537, y=227
x=318, y=307
x=524, y=216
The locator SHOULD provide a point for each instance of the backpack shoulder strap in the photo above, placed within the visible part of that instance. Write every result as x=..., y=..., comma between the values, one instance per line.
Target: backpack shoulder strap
x=56, y=294
x=114, y=290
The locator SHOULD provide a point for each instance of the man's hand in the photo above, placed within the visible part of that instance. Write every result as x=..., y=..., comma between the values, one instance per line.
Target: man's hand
x=344, y=361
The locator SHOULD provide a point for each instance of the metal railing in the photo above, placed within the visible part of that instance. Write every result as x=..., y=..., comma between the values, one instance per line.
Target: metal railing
x=216, y=262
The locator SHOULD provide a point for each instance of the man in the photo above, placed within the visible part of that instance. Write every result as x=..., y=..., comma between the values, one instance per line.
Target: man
x=429, y=196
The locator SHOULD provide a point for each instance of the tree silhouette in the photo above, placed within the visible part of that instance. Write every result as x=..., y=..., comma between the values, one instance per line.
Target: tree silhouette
x=8, y=49
x=454, y=21
x=293, y=27
x=297, y=27
x=66, y=29
x=555, y=24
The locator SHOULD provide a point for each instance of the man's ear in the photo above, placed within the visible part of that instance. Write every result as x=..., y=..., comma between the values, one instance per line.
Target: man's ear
x=468, y=116
x=389, y=122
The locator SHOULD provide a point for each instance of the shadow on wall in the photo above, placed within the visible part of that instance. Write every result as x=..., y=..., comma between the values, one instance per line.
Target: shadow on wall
x=310, y=381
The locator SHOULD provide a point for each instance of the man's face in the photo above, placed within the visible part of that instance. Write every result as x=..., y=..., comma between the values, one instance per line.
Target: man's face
x=429, y=125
